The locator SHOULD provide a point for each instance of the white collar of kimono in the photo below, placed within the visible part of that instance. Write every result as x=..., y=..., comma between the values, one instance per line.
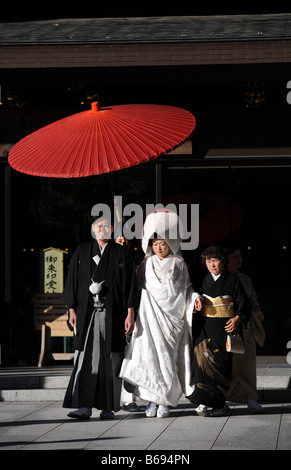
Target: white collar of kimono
x=164, y=260
x=97, y=258
x=215, y=277
x=164, y=271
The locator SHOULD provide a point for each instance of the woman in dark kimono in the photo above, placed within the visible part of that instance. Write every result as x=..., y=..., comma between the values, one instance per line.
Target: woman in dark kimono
x=100, y=293
x=225, y=305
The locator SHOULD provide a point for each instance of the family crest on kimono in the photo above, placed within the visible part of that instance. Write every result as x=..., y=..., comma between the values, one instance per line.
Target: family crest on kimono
x=225, y=308
x=100, y=293
x=157, y=365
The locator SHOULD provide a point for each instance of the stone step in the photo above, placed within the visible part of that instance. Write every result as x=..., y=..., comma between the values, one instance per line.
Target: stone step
x=50, y=383
x=33, y=382
x=32, y=395
x=61, y=382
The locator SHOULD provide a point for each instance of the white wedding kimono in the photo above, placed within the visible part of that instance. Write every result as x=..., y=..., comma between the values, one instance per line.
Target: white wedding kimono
x=158, y=359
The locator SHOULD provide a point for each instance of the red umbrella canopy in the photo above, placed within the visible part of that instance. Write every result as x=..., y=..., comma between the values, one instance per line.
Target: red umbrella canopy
x=102, y=140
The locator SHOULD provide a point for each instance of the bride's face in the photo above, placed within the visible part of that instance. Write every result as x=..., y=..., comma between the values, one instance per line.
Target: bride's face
x=161, y=248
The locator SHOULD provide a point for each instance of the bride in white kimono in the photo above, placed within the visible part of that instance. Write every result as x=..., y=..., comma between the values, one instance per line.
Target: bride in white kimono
x=157, y=365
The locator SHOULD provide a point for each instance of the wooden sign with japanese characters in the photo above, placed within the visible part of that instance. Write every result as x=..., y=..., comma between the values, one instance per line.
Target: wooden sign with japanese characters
x=53, y=270
x=47, y=304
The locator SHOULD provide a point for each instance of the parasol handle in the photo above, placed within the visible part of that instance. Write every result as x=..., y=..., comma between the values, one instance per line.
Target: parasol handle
x=95, y=107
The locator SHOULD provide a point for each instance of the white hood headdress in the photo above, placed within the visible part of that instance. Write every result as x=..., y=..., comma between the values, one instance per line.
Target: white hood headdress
x=164, y=224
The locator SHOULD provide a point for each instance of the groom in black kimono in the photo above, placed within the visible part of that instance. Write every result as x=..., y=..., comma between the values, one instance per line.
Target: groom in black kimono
x=100, y=293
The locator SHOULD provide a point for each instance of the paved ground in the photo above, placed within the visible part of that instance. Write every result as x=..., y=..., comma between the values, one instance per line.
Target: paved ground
x=45, y=426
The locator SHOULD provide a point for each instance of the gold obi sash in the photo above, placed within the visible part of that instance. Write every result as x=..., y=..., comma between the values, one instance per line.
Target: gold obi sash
x=217, y=307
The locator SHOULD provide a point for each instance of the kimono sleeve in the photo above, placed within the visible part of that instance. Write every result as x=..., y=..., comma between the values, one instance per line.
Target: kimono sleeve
x=141, y=280
x=243, y=306
x=129, y=281
x=70, y=294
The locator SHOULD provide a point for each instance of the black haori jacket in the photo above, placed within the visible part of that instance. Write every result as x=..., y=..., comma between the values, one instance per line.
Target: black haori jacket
x=117, y=270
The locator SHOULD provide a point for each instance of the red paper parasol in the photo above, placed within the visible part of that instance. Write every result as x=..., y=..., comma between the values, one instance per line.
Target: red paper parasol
x=102, y=140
